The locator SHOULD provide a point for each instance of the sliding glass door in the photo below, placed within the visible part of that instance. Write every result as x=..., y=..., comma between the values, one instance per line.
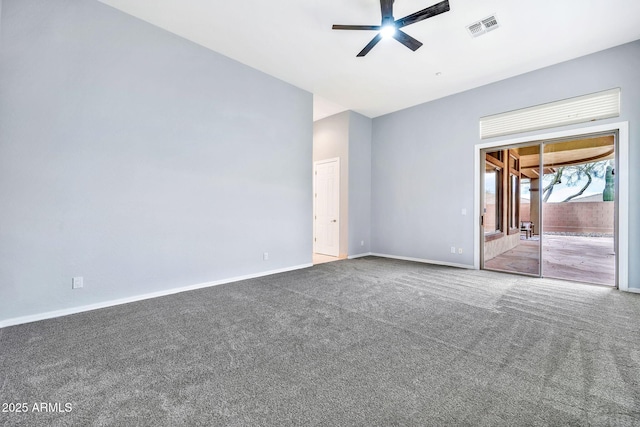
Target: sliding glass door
x=549, y=209
x=511, y=210
x=578, y=210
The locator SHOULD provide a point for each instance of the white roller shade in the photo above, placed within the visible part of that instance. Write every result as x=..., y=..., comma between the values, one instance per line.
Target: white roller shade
x=587, y=108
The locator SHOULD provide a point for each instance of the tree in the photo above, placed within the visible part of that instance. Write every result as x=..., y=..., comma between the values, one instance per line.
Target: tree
x=573, y=175
x=556, y=179
x=590, y=170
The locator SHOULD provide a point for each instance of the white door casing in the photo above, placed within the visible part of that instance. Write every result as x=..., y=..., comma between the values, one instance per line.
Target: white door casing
x=326, y=207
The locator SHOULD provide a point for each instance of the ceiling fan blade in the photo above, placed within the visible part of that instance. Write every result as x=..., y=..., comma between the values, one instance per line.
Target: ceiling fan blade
x=357, y=27
x=434, y=10
x=386, y=6
x=371, y=44
x=407, y=40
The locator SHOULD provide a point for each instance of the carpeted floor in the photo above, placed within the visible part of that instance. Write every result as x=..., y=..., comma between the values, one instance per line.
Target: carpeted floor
x=369, y=342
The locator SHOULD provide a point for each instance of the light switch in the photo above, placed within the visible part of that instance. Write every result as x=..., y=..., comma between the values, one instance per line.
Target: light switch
x=77, y=282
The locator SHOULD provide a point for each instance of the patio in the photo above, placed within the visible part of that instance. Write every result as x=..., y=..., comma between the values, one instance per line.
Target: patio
x=578, y=258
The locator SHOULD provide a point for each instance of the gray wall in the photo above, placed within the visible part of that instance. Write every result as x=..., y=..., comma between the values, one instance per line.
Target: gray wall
x=330, y=140
x=422, y=157
x=139, y=160
x=347, y=135
x=359, y=184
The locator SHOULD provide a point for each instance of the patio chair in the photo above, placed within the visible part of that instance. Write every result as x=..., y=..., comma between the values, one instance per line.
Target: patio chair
x=527, y=228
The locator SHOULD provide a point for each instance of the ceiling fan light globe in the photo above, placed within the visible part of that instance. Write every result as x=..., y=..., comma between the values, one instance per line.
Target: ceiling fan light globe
x=388, y=31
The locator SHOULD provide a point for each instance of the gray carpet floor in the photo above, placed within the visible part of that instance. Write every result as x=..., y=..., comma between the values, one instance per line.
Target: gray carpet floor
x=361, y=342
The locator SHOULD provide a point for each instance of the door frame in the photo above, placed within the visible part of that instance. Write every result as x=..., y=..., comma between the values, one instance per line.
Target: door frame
x=622, y=129
x=337, y=178
x=505, y=226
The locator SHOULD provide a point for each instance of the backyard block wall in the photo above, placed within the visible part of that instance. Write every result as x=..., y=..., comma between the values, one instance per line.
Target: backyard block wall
x=582, y=217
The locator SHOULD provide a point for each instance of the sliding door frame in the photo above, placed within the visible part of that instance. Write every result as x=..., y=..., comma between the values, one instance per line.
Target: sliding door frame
x=622, y=130
x=483, y=151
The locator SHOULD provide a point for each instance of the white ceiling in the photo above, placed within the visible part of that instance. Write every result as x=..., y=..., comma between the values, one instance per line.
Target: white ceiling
x=293, y=41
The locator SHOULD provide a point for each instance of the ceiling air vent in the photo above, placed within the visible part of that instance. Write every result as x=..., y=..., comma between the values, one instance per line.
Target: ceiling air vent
x=489, y=23
x=475, y=29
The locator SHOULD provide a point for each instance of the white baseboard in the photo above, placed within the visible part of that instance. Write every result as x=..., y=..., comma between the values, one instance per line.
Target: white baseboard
x=632, y=290
x=359, y=255
x=425, y=261
x=111, y=303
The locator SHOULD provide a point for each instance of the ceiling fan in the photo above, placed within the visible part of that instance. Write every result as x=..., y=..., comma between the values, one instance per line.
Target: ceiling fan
x=390, y=27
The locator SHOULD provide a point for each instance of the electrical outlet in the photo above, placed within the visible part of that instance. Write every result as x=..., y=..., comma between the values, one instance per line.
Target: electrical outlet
x=453, y=249
x=77, y=282
x=361, y=242
x=265, y=256
x=464, y=211
x=459, y=250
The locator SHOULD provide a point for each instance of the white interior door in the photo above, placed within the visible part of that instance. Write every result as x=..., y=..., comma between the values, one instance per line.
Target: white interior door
x=327, y=207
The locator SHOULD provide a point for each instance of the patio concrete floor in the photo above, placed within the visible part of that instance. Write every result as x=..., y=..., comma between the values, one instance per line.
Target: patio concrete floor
x=576, y=258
